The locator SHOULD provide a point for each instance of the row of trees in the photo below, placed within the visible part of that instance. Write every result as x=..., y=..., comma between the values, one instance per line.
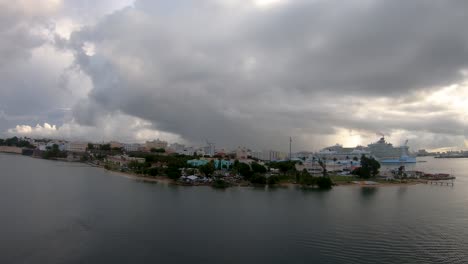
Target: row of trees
x=16, y=142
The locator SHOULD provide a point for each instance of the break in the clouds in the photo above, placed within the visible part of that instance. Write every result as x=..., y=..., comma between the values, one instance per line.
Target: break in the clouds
x=237, y=72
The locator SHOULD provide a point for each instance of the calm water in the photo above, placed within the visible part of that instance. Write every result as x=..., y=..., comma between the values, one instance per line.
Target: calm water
x=53, y=212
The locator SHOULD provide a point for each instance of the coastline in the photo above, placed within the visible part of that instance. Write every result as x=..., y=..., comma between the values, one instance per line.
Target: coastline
x=158, y=179
x=167, y=181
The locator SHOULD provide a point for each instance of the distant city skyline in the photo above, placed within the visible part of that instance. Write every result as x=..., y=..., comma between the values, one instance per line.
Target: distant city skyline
x=236, y=72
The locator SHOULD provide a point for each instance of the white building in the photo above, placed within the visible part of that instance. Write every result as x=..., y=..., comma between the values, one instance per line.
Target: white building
x=269, y=155
x=209, y=149
x=131, y=147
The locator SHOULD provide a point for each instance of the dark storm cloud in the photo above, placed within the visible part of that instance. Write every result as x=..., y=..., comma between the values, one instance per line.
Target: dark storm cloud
x=365, y=47
x=202, y=70
x=237, y=74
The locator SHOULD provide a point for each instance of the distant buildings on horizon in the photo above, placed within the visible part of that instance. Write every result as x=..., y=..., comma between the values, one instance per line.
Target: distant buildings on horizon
x=337, y=153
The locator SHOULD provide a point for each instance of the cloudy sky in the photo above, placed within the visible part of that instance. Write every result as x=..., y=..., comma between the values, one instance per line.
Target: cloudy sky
x=236, y=72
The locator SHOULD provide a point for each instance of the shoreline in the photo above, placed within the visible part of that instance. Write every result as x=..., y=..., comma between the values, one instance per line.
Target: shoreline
x=167, y=181
x=132, y=176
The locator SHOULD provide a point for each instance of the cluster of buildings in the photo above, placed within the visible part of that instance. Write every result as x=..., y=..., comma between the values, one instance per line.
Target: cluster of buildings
x=209, y=150
x=336, y=155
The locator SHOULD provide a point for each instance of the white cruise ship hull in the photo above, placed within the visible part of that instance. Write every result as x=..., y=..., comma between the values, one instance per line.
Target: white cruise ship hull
x=400, y=160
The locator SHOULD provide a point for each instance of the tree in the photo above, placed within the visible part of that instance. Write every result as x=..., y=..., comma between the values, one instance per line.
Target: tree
x=324, y=183
x=258, y=179
x=173, y=173
x=153, y=171
x=257, y=168
x=401, y=172
x=106, y=147
x=369, y=168
x=90, y=146
x=54, y=152
x=158, y=150
x=323, y=164
x=244, y=170
x=15, y=141
x=305, y=179
x=207, y=169
x=273, y=180
x=220, y=183
x=137, y=166
x=284, y=166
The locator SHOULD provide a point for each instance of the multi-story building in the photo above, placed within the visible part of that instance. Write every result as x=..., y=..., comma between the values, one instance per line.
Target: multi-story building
x=242, y=153
x=131, y=147
x=176, y=147
x=210, y=149
x=156, y=144
x=269, y=155
x=77, y=147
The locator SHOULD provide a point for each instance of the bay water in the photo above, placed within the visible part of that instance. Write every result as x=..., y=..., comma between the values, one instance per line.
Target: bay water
x=57, y=212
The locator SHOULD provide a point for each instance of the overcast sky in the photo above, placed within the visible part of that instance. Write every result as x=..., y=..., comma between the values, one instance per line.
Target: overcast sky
x=236, y=72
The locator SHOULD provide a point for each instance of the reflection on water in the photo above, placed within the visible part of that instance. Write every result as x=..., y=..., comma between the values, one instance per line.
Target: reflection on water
x=402, y=190
x=368, y=192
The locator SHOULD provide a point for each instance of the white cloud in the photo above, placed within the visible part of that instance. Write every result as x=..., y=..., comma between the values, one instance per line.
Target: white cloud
x=32, y=8
x=111, y=127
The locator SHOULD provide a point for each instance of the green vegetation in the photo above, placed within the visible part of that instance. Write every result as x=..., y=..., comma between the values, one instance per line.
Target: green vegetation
x=324, y=183
x=220, y=184
x=16, y=142
x=139, y=168
x=159, y=150
x=153, y=172
x=169, y=165
x=343, y=179
x=257, y=168
x=273, y=180
x=106, y=147
x=243, y=169
x=283, y=166
x=258, y=179
x=207, y=169
x=307, y=180
x=369, y=168
x=173, y=173
x=54, y=153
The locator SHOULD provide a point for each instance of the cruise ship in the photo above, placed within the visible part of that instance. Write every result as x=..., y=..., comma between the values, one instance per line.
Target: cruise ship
x=386, y=153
